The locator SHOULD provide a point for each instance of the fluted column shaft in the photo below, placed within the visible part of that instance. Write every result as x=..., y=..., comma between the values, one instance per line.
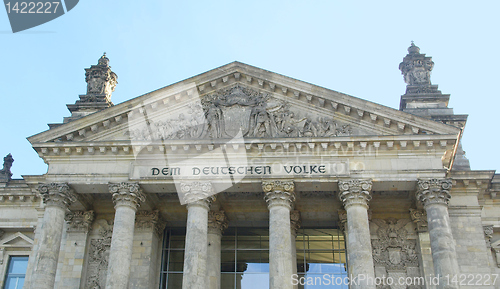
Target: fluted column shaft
x=199, y=196
x=127, y=197
x=57, y=198
x=217, y=223
x=280, y=198
x=435, y=195
x=355, y=195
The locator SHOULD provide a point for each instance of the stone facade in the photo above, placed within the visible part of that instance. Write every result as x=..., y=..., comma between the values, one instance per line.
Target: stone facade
x=239, y=148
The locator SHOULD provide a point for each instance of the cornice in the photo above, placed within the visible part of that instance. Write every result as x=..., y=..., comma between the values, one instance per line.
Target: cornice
x=415, y=143
x=18, y=198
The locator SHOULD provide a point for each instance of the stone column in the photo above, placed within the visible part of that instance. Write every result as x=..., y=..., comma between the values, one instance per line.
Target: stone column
x=217, y=223
x=280, y=198
x=127, y=197
x=295, y=223
x=57, y=198
x=355, y=195
x=434, y=194
x=200, y=199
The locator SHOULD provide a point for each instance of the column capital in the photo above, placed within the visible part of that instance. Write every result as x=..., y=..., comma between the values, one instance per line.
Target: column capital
x=279, y=193
x=434, y=191
x=79, y=221
x=197, y=194
x=295, y=221
x=355, y=192
x=217, y=222
x=149, y=220
x=57, y=194
x=127, y=194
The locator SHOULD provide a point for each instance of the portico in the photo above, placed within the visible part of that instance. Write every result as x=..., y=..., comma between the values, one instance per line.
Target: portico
x=242, y=178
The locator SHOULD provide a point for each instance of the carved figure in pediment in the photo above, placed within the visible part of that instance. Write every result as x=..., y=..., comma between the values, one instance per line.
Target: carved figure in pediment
x=215, y=123
x=262, y=124
x=234, y=110
x=326, y=127
x=293, y=127
x=344, y=130
x=310, y=128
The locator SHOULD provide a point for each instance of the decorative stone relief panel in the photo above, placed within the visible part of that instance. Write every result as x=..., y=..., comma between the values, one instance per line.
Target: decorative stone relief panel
x=79, y=221
x=419, y=217
x=394, y=251
x=392, y=248
x=99, y=254
x=149, y=220
x=488, y=234
x=495, y=249
x=238, y=109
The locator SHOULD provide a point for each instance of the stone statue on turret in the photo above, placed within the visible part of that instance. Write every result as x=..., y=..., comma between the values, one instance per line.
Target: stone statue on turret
x=5, y=173
x=101, y=82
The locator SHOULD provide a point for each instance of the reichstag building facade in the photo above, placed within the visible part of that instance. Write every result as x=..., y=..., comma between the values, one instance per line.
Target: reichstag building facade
x=241, y=178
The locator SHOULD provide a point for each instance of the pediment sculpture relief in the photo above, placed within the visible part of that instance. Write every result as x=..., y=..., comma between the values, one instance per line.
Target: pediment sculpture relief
x=236, y=109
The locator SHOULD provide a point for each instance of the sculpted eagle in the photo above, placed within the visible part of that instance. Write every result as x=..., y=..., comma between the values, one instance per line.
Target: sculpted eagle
x=392, y=248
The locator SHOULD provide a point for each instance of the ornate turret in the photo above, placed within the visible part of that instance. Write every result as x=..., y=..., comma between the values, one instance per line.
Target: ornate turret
x=5, y=173
x=422, y=98
x=101, y=83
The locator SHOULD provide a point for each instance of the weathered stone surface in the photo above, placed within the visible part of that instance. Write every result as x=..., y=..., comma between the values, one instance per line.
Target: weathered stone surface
x=57, y=197
x=146, y=250
x=280, y=198
x=295, y=223
x=196, y=248
x=434, y=195
x=355, y=195
x=127, y=197
x=217, y=223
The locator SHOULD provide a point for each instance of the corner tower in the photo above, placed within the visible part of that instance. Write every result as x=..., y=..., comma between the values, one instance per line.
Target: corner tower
x=423, y=98
x=101, y=83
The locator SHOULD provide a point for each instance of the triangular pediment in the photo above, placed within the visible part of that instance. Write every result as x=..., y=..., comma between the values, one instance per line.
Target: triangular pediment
x=17, y=240
x=237, y=97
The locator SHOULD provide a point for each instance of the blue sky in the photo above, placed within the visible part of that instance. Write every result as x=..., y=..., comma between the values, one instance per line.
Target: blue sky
x=353, y=47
